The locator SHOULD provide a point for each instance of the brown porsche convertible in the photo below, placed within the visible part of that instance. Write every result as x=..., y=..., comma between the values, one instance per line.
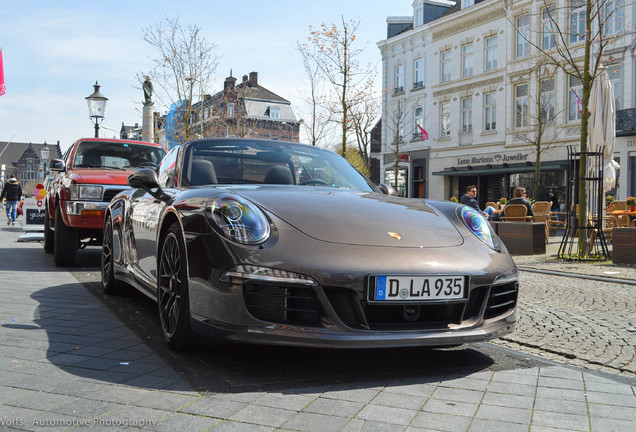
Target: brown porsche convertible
x=282, y=243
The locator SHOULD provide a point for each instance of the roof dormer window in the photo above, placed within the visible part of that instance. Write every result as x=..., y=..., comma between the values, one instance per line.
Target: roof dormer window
x=273, y=112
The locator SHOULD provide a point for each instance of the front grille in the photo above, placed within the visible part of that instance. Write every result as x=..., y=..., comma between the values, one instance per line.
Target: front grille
x=109, y=194
x=356, y=313
x=282, y=304
x=502, y=299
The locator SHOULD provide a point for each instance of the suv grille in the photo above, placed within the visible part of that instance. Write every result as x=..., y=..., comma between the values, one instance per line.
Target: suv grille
x=109, y=194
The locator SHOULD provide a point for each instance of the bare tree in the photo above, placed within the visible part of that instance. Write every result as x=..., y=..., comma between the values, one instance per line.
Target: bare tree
x=333, y=51
x=184, y=62
x=364, y=117
x=540, y=118
x=578, y=35
x=319, y=125
x=395, y=125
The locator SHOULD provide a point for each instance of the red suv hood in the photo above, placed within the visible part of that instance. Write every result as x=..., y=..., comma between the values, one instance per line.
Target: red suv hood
x=100, y=176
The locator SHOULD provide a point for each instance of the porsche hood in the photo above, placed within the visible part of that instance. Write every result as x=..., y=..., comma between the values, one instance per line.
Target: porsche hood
x=356, y=218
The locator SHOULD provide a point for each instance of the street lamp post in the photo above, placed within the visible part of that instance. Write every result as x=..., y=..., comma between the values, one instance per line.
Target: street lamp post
x=45, y=152
x=96, y=107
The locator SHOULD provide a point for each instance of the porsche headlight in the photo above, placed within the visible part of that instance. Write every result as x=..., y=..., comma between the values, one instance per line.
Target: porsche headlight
x=238, y=219
x=477, y=224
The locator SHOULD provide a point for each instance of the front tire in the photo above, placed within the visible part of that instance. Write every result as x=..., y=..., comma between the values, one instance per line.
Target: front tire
x=65, y=242
x=109, y=283
x=172, y=291
x=48, y=233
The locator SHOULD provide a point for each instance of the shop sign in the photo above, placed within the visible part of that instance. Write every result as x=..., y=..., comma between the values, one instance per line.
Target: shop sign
x=496, y=158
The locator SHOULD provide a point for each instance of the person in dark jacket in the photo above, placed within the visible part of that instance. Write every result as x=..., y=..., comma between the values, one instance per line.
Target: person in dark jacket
x=519, y=196
x=12, y=191
x=470, y=199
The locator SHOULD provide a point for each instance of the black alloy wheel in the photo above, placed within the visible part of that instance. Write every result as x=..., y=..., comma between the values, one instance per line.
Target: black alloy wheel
x=172, y=291
x=109, y=283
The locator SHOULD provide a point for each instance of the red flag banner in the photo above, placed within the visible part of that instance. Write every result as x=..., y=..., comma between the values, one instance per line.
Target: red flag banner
x=423, y=132
x=3, y=88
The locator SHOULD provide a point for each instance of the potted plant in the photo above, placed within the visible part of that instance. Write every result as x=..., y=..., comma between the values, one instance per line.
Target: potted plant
x=631, y=202
x=454, y=199
x=608, y=199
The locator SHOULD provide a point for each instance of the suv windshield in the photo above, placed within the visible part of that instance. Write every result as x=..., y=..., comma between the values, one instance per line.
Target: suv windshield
x=117, y=155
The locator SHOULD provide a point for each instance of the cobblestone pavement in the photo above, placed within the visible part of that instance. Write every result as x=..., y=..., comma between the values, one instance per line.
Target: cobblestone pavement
x=588, y=321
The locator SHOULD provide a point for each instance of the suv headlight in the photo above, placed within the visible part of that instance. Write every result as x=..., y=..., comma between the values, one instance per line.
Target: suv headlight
x=86, y=192
x=238, y=219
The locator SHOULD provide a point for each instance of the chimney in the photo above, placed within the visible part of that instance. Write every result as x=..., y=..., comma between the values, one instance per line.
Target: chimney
x=229, y=83
x=253, y=79
x=244, y=79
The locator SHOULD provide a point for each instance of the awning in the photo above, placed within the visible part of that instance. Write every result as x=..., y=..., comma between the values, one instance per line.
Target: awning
x=500, y=170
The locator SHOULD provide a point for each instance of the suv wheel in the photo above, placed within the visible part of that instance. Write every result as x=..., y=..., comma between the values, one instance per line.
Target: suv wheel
x=65, y=242
x=48, y=233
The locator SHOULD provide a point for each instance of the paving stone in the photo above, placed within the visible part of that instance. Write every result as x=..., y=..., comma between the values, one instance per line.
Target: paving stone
x=213, y=407
x=177, y=422
x=504, y=414
x=508, y=400
x=164, y=401
x=453, y=408
x=290, y=402
x=615, y=425
x=561, y=406
x=236, y=426
x=312, y=422
x=261, y=415
x=613, y=412
x=441, y=422
x=560, y=420
x=399, y=400
x=485, y=425
x=334, y=407
x=387, y=414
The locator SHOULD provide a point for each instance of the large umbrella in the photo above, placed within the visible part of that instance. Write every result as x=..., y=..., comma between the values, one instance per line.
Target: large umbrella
x=602, y=126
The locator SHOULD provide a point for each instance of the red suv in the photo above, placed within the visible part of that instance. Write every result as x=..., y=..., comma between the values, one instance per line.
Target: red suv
x=93, y=171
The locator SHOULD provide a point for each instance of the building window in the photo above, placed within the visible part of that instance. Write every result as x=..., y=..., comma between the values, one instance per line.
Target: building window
x=467, y=60
x=418, y=116
x=490, y=111
x=523, y=35
x=399, y=79
x=549, y=15
x=491, y=53
x=616, y=78
x=574, y=99
x=444, y=117
x=577, y=20
x=274, y=112
x=613, y=16
x=467, y=115
x=445, y=58
x=547, y=100
x=419, y=17
x=521, y=105
x=230, y=110
x=467, y=3
x=418, y=73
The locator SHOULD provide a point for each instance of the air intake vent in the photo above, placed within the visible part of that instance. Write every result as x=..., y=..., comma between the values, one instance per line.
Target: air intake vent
x=282, y=304
x=502, y=299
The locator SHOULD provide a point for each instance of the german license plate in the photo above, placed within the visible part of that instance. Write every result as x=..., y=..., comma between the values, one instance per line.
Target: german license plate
x=419, y=288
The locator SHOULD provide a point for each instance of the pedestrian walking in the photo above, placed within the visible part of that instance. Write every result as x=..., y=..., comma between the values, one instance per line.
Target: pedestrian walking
x=12, y=191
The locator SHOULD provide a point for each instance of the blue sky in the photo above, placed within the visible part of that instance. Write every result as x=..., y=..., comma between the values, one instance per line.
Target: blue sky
x=55, y=51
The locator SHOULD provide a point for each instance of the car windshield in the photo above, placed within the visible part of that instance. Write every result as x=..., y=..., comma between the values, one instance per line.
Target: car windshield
x=268, y=162
x=117, y=155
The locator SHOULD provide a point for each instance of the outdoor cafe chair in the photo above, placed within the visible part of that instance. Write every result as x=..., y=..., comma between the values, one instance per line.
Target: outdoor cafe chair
x=515, y=213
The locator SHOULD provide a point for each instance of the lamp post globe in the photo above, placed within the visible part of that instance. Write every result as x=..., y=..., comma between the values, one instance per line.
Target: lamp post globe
x=96, y=107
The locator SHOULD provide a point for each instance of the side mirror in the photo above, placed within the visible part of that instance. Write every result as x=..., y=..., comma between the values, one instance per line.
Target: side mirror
x=57, y=165
x=387, y=189
x=146, y=179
